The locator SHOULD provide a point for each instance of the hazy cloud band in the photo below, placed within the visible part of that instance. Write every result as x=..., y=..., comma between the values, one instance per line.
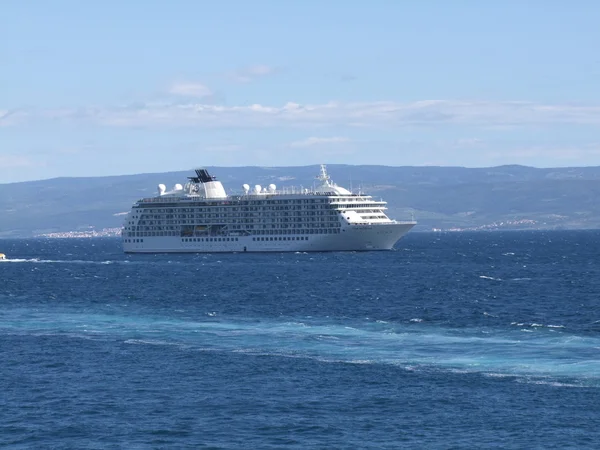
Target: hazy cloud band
x=366, y=114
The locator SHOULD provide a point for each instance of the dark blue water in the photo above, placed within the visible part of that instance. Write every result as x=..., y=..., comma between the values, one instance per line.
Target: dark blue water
x=451, y=341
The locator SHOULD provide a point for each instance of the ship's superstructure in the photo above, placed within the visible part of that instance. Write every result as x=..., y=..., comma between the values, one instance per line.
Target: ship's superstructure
x=200, y=217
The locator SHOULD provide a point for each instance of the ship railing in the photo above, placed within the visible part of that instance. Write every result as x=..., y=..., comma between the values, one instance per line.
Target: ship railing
x=294, y=190
x=269, y=194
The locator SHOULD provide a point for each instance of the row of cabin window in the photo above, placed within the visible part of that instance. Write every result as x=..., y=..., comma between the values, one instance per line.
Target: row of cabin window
x=281, y=238
x=208, y=239
x=229, y=209
x=278, y=231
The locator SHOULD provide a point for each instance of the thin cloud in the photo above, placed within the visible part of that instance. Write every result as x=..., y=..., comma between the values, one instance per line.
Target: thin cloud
x=14, y=161
x=251, y=73
x=348, y=78
x=9, y=117
x=312, y=141
x=189, y=89
x=468, y=142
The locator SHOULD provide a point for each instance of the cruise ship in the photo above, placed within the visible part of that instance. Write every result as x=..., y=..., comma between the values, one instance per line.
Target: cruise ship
x=199, y=216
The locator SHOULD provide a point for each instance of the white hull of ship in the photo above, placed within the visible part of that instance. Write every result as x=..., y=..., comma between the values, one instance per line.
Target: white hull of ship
x=350, y=238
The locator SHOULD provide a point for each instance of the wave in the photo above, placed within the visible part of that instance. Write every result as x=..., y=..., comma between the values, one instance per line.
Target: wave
x=105, y=262
x=58, y=261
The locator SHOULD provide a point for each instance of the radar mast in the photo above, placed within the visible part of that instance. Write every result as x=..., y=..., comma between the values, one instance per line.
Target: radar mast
x=324, y=176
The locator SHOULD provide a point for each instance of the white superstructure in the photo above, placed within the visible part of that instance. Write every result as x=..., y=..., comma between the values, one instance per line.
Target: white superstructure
x=200, y=217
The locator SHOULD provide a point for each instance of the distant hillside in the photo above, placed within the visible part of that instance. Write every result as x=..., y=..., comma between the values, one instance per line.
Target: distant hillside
x=507, y=197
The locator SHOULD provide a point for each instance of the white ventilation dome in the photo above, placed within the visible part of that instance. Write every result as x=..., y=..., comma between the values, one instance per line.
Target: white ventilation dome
x=161, y=189
x=257, y=188
x=246, y=188
x=272, y=188
x=178, y=187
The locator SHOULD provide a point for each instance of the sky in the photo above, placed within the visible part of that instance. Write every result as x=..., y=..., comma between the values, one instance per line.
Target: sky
x=123, y=87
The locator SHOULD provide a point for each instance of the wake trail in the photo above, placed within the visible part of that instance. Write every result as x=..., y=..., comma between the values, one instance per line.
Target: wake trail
x=504, y=353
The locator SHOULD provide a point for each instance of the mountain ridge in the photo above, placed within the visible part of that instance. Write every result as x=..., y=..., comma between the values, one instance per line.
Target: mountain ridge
x=439, y=197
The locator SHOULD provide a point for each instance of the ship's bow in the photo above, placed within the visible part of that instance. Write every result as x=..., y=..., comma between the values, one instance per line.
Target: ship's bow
x=377, y=237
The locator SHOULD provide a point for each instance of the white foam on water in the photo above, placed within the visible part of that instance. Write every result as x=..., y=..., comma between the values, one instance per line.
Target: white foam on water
x=498, y=375
x=537, y=325
x=485, y=277
x=550, y=383
x=153, y=342
x=460, y=371
x=328, y=338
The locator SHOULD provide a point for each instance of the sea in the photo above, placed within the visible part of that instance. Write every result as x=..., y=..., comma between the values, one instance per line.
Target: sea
x=450, y=341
